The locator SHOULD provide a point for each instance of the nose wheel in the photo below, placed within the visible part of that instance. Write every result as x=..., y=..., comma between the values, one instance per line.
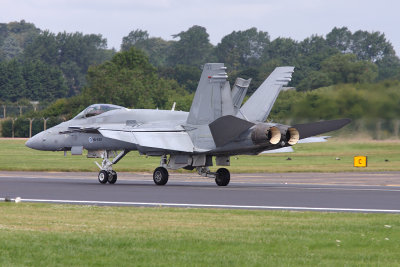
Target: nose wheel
x=103, y=177
x=112, y=177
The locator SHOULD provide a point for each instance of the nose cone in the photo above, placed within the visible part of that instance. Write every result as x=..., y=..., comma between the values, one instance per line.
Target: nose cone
x=36, y=142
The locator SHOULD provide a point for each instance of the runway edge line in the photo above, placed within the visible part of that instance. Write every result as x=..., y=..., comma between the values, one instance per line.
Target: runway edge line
x=155, y=204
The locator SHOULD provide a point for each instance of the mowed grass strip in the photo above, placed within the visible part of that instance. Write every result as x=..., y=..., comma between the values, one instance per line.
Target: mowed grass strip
x=336, y=155
x=66, y=235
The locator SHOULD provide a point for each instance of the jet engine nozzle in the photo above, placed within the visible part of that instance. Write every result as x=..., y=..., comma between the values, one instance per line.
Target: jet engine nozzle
x=265, y=134
x=292, y=136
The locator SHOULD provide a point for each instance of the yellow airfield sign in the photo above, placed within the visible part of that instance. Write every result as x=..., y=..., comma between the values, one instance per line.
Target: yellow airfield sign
x=360, y=161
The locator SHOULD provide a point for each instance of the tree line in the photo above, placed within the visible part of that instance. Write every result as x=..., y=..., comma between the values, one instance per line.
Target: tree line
x=43, y=66
x=339, y=57
x=73, y=70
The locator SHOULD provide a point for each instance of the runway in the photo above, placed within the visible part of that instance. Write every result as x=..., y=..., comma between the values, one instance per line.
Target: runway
x=354, y=192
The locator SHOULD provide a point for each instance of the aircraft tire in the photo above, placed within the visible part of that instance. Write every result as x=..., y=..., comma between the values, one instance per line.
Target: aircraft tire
x=160, y=176
x=103, y=177
x=223, y=177
x=112, y=177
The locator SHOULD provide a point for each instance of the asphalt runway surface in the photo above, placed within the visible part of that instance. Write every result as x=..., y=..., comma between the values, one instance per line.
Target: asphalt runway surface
x=351, y=192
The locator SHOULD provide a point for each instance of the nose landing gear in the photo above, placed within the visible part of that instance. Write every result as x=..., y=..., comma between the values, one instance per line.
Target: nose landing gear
x=107, y=174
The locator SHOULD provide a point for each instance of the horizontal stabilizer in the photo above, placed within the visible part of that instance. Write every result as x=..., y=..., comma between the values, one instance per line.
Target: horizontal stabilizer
x=316, y=128
x=225, y=129
x=286, y=149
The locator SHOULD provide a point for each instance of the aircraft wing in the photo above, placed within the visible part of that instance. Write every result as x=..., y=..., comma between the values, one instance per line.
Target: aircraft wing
x=151, y=137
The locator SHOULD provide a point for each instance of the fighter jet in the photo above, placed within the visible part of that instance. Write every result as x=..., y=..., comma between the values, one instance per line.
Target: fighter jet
x=217, y=126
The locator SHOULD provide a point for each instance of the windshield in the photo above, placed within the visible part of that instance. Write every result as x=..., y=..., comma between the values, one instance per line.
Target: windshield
x=96, y=109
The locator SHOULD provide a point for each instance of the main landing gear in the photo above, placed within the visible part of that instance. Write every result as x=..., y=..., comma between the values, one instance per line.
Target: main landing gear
x=222, y=176
x=107, y=174
x=160, y=175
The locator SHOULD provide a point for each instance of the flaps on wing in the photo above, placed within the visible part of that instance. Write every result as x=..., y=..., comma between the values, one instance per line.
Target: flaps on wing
x=228, y=128
x=316, y=128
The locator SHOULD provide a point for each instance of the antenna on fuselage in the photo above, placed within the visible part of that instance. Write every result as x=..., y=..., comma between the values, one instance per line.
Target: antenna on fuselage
x=173, y=106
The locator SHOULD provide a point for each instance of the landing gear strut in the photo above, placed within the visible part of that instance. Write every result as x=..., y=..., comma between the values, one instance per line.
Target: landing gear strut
x=222, y=176
x=107, y=174
x=160, y=176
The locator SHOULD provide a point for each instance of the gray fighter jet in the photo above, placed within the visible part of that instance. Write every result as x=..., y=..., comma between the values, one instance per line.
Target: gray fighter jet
x=217, y=126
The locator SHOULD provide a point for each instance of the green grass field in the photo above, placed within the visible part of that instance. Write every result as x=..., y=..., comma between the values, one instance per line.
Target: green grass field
x=315, y=157
x=65, y=235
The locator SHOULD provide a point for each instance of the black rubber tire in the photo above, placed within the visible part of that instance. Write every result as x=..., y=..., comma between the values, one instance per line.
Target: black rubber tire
x=223, y=177
x=160, y=176
x=112, y=177
x=103, y=177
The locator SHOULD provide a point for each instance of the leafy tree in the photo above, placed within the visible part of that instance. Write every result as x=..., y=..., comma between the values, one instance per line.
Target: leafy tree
x=156, y=49
x=133, y=38
x=72, y=53
x=32, y=80
x=43, y=82
x=187, y=76
x=14, y=37
x=193, y=47
x=314, y=80
x=371, y=46
x=12, y=83
x=130, y=80
x=346, y=69
x=341, y=39
x=388, y=68
x=284, y=50
x=242, y=49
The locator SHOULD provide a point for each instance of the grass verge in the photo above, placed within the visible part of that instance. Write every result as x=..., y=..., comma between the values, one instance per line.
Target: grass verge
x=316, y=157
x=65, y=235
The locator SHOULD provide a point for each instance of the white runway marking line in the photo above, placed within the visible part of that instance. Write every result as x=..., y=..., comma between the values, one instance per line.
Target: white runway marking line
x=205, y=205
x=387, y=188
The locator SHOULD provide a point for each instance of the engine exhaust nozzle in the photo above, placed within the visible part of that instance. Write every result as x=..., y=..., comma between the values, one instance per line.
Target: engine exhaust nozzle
x=292, y=136
x=265, y=134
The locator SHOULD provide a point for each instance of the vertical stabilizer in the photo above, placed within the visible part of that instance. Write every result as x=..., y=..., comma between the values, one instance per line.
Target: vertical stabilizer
x=258, y=106
x=239, y=91
x=213, y=97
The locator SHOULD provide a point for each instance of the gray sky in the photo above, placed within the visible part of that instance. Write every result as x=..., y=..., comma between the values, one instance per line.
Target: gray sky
x=114, y=19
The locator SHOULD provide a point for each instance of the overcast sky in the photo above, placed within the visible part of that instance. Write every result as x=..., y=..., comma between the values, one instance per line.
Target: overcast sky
x=297, y=19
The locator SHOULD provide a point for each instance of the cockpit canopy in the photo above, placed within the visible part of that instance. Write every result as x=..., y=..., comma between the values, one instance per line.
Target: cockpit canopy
x=96, y=109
